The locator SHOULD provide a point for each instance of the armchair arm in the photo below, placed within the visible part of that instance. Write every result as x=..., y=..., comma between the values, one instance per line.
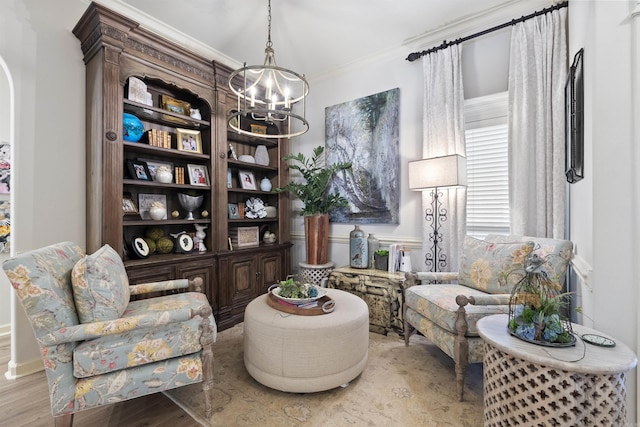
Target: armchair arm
x=413, y=277
x=167, y=285
x=94, y=330
x=488, y=299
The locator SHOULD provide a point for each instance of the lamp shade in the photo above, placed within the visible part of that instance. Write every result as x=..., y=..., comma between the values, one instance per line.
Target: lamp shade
x=445, y=171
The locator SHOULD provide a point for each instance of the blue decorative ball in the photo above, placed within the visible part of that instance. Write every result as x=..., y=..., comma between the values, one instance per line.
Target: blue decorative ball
x=132, y=128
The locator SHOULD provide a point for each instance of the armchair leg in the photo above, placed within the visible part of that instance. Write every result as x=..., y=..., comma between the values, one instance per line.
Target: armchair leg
x=64, y=420
x=408, y=328
x=206, y=340
x=461, y=345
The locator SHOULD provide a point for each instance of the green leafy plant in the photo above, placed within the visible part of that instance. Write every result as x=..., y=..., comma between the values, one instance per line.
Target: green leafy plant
x=382, y=252
x=314, y=191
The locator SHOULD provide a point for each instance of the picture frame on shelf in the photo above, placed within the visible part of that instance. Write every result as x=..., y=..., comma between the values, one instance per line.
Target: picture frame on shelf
x=175, y=106
x=189, y=140
x=247, y=180
x=258, y=129
x=233, y=211
x=146, y=200
x=138, y=170
x=198, y=174
x=153, y=166
x=248, y=236
x=128, y=205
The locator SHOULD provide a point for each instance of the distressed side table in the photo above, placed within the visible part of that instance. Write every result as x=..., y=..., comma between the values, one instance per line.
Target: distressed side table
x=528, y=384
x=381, y=290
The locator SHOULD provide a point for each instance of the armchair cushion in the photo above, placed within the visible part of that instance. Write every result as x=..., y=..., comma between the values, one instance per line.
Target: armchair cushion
x=438, y=304
x=492, y=267
x=141, y=346
x=100, y=286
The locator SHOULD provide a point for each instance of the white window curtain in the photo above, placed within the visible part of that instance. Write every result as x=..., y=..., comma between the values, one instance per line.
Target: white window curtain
x=443, y=134
x=537, y=74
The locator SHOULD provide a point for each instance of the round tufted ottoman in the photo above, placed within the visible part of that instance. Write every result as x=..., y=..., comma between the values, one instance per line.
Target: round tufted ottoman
x=304, y=354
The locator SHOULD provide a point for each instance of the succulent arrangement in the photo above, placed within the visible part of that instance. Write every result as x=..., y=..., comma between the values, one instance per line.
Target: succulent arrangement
x=292, y=289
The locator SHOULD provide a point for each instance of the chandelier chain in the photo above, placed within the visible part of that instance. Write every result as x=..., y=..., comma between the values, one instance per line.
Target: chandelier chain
x=269, y=43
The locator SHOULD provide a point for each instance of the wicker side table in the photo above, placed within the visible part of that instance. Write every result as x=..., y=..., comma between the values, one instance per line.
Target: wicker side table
x=527, y=384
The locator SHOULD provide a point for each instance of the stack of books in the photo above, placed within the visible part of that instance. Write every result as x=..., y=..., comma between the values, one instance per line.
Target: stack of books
x=179, y=172
x=159, y=138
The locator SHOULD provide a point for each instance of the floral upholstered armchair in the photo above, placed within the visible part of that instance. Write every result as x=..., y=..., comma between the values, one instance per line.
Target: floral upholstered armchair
x=97, y=346
x=447, y=314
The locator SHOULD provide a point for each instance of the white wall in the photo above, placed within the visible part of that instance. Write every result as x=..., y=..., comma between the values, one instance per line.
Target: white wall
x=45, y=61
x=5, y=137
x=604, y=216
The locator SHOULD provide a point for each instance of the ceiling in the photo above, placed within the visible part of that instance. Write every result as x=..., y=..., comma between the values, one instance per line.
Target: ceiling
x=312, y=37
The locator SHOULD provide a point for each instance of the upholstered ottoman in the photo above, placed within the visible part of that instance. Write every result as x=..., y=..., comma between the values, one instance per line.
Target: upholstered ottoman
x=304, y=354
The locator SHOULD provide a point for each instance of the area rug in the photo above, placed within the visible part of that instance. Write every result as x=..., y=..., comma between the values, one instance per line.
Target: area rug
x=400, y=386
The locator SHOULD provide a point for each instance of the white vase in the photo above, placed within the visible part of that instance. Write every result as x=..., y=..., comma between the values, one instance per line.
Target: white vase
x=265, y=184
x=262, y=155
x=157, y=213
x=164, y=175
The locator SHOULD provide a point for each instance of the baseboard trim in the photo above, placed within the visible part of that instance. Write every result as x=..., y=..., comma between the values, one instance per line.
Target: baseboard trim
x=5, y=329
x=15, y=371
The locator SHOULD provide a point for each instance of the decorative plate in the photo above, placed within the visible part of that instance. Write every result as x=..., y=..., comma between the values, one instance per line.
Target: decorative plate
x=297, y=301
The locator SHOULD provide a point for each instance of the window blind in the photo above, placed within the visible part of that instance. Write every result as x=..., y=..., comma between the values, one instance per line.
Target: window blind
x=487, y=170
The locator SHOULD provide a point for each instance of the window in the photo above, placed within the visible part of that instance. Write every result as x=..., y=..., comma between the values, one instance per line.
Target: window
x=486, y=136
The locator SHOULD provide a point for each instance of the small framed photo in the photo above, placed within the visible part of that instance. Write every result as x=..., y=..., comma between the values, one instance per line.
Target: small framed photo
x=189, y=140
x=247, y=180
x=139, y=170
x=198, y=175
x=233, y=211
x=153, y=166
x=129, y=206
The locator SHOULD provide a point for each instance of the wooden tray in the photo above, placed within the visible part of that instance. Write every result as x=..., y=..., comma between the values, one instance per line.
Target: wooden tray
x=280, y=305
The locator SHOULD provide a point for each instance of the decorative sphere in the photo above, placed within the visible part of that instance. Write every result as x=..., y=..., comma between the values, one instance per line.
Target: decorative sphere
x=132, y=128
x=204, y=214
x=164, y=245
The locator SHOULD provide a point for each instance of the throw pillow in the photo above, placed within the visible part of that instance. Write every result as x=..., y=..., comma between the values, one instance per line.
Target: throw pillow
x=492, y=267
x=100, y=286
x=556, y=253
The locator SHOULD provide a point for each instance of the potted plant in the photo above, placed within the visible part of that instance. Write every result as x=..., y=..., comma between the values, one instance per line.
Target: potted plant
x=381, y=259
x=318, y=201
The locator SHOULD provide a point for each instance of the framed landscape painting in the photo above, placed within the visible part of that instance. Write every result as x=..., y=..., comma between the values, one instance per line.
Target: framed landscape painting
x=366, y=132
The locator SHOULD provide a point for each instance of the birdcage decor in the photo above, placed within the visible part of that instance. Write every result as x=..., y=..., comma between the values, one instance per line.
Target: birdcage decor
x=536, y=308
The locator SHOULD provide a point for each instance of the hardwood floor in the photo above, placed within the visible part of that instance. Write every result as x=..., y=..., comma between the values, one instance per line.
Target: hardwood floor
x=24, y=402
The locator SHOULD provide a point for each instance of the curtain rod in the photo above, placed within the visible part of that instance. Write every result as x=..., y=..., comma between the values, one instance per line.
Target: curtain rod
x=445, y=44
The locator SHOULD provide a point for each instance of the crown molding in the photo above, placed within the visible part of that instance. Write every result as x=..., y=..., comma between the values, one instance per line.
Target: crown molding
x=163, y=30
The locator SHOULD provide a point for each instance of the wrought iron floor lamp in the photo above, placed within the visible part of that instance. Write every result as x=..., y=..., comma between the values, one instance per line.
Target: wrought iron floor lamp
x=434, y=174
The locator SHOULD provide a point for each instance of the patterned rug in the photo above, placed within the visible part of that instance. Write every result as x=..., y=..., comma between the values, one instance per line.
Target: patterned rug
x=400, y=386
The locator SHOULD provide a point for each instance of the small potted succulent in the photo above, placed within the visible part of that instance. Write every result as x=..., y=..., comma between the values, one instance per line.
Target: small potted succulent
x=381, y=259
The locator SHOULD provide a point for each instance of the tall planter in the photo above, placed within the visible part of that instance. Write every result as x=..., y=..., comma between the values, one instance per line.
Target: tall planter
x=316, y=237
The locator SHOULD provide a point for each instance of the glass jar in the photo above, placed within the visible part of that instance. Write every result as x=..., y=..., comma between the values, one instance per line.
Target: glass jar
x=373, y=244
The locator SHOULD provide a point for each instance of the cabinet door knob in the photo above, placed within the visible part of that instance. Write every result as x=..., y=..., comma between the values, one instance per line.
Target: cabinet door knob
x=111, y=135
x=222, y=154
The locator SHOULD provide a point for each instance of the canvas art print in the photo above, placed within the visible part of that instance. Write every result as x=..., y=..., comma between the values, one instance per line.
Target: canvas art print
x=366, y=132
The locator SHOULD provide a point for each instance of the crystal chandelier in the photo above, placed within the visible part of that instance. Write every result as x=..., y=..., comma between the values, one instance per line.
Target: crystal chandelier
x=268, y=93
